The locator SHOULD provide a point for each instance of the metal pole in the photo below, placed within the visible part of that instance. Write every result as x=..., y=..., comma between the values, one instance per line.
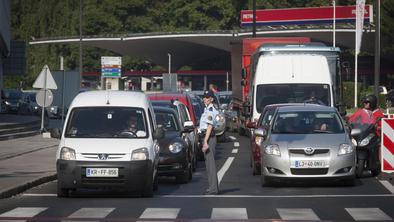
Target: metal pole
x=63, y=86
x=254, y=18
x=334, y=23
x=45, y=98
x=227, y=82
x=355, y=79
x=80, y=43
x=377, y=49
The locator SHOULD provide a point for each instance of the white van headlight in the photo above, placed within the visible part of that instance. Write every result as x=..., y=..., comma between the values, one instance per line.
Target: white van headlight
x=345, y=149
x=175, y=147
x=67, y=153
x=140, y=154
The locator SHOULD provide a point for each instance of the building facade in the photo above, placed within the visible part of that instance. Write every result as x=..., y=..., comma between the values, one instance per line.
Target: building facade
x=5, y=36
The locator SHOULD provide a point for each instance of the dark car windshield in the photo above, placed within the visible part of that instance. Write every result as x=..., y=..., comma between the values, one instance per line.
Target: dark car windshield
x=306, y=122
x=12, y=94
x=107, y=122
x=291, y=93
x=224, y=99
x=167, y=120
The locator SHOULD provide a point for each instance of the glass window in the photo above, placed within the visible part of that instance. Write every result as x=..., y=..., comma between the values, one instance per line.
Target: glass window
x=292, y=93
x=167, y=120
x=307, y=123
x=107, y=122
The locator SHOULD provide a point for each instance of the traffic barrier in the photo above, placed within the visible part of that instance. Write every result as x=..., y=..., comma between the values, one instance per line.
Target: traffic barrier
x=387, y=158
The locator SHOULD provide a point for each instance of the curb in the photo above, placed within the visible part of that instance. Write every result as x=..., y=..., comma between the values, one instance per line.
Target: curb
x=5, y=157
x=30, y=184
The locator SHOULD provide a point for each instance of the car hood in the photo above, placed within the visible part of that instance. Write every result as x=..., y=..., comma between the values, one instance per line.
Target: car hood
x=314, y=140
x=169, y=137
x=110, y=146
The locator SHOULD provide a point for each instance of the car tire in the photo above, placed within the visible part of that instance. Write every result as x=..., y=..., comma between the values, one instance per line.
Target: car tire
x=148, y=190
x=62, y=192
x=156, y=183
x=360, y=168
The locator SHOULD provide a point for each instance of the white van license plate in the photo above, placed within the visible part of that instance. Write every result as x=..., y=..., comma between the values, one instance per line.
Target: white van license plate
x=102, y=172
x=309, y=164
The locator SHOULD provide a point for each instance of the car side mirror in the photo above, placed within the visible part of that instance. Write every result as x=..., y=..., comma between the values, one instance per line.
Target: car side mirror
x=159, y=133
x=56, y=133
x=251, y=125
x=188, y=126
x=355, y=132
x=261, y=132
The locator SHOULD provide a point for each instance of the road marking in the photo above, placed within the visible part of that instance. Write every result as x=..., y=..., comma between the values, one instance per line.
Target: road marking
x=91, y=213
x=388, y=185
x=39, y=194
x=229, y=213
x=236, y=144
x=297, y=214
x=371, y=214
x=248, y=196
x=224, y=168
x=232, y=138
x=24, y=212
x=158, y=213
x=234, y=151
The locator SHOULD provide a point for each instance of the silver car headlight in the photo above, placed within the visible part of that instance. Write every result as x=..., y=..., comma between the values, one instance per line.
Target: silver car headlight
x=140, y=154
x=345, y=149
x=7, y=103
x=67, y=153
x=272, y=149
x=175, y=147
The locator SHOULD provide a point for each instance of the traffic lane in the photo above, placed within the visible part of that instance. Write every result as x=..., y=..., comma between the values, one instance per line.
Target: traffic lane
x=240, y=181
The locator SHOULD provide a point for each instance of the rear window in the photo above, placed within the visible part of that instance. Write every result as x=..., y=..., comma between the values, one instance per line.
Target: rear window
x=167, y=120
x=107, y=122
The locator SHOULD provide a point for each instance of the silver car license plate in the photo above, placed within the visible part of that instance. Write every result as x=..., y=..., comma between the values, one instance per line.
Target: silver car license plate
x=102, y=172
x=308, y=164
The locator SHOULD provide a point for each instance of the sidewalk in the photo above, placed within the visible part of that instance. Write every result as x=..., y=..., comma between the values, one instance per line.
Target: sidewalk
x=26, y=162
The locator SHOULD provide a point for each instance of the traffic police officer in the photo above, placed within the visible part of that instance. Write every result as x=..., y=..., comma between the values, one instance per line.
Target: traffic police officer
x=207, y=134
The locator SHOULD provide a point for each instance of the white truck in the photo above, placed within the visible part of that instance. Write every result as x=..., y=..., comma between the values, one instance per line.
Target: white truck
x=294, y=74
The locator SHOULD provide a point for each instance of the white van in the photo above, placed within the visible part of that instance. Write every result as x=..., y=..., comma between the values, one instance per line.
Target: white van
x=98, y=149
x=294, y=74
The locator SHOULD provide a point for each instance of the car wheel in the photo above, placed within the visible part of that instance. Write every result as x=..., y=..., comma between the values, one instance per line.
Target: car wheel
x=62, y=192
x=360, y=168
x=148, y=190
x=156, y=183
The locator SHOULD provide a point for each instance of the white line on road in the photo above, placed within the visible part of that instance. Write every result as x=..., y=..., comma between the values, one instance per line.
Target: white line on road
x=224, y=168
x=236, y=144
x=23, y=212
x=297, y=214
x=248, y=196
x=371, y=214
x=91, y=213
x=229, y=213
x=388, y=185
x=232, y=138
x=160, y=213
x=234, y=151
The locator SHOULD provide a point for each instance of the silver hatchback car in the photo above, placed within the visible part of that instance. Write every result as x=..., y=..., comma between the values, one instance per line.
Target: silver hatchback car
x=306, y=141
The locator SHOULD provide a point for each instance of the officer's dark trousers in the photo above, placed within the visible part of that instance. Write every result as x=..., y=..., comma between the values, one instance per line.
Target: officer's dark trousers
x=211, y=166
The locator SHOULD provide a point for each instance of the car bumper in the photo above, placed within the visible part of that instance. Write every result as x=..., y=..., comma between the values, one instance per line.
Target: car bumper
x=280, y=167
x=172, y=164
x=133, y=175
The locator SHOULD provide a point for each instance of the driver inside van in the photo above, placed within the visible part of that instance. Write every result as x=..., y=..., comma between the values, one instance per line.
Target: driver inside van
x=132, y=127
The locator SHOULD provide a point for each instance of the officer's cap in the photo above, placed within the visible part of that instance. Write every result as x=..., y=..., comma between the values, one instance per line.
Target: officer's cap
x=208, y=94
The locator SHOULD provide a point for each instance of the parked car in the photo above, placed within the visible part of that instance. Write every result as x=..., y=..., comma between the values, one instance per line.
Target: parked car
x=183, y=116
x=263, y=122
x=306, y=141
x=11, y=100
x=176, y=154
x=101, y=147
x=28, y=104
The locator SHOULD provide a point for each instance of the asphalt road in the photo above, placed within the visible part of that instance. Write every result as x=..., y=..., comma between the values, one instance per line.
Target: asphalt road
x=242, y=197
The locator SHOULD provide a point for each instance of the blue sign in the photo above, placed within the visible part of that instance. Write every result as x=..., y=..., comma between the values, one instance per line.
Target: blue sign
x=110, y=70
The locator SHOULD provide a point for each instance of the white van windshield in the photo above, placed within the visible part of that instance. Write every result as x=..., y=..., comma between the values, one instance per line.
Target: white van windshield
x=107, y=122
x=292, y=93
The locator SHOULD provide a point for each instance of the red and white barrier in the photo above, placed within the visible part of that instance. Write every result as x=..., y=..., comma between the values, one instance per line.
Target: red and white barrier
x=387, y=146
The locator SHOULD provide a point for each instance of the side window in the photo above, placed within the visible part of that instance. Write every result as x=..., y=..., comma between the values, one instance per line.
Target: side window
x=151, y=122
x=185, y=113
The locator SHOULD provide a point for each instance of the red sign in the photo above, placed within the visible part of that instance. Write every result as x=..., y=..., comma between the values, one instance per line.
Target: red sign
x=301, y=16
x=387, y=146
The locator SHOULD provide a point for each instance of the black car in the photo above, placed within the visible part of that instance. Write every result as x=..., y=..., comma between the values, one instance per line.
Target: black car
x=11, y=100
x=176, y=154
x=28, y=104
